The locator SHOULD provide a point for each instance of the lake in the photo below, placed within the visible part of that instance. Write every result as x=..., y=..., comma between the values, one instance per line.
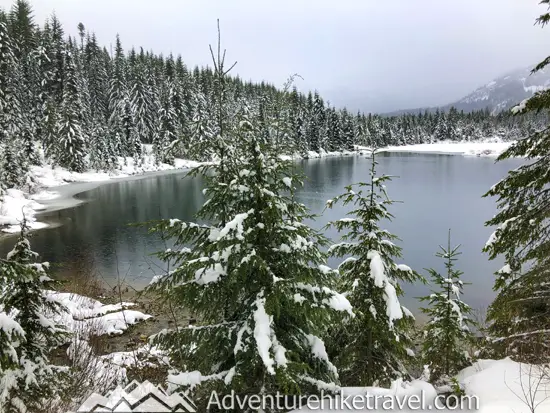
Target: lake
x=438, y=192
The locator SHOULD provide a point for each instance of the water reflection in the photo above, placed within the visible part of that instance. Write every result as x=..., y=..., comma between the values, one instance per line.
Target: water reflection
x=438, y=191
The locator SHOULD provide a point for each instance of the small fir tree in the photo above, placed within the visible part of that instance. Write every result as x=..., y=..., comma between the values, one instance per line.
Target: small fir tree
x=27, y=377
x=447, y=332
x=375, y=341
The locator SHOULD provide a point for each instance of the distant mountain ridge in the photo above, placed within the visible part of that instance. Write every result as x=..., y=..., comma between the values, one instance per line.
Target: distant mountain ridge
x=500, y=94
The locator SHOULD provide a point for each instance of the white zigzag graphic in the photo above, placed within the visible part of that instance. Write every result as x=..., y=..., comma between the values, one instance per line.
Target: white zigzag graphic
x=138, y=398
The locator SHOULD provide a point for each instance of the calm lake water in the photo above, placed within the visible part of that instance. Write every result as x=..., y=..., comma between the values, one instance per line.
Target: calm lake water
x=438, y=192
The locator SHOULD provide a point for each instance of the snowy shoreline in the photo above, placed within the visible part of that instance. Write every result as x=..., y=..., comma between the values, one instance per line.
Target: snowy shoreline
x=489, y=148
x=60, y=187
x=67, y=194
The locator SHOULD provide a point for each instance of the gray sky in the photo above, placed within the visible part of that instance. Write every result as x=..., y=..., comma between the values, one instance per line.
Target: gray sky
x=373, y=55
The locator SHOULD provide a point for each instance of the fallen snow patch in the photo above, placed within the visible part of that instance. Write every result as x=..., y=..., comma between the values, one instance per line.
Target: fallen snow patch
x=14, y=206
x=504, y=386
x=87, y=316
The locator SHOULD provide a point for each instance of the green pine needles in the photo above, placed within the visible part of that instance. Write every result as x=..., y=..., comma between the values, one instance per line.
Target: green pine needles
x=447, y=332
x=28, y=331
x=519, y=318
x=375, y=341
x=256, y=279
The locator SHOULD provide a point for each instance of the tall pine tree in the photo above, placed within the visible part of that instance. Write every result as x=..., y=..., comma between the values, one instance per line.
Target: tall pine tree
x=257, y=280
x=69, y=150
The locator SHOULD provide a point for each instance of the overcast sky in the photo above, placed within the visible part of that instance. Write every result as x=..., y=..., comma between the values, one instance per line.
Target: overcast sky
x=373, y=55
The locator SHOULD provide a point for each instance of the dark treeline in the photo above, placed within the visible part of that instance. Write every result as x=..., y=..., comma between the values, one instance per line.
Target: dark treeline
x=85, y=106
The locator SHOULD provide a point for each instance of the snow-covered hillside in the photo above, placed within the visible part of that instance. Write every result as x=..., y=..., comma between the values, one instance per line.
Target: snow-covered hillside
x=506, y=91
x=498, y=95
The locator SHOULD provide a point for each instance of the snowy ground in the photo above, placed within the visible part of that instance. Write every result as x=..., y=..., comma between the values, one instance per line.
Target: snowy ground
x=491, y=386
x=13, y=205
x=86, y=318
x=86, y=315
x=500, y=386
x=48, y=180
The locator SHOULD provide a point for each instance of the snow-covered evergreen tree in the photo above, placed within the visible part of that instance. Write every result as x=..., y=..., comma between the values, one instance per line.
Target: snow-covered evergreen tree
x=130, y=145
x=95, y=67
x=26, y=78
x=199, y=147
x=317, y=121
x=297, y=124
x=311, y=128
x=169, y=130
x=334, y=130
x=103, y=153
x=55, y=43
x=182, y=97
x=11, y=336
x=34, y=135
x=29, y=332
x=375, y=341
x=256, y=279
x=447, y=333
x=519, y=318
x=347, y=134
x=10, y=111
x=12, y=166
x=117, y=100
x=22, y=28
x=142, y=101
x=69, y=150
x=360, y=130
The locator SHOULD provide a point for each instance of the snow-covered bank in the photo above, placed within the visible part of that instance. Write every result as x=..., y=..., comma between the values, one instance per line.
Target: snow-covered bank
x=85, y=315
x=64, y=196
x=85, y=319
x=13, y=206
x=324, y=154
x=492, y=148
x=54, y=188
